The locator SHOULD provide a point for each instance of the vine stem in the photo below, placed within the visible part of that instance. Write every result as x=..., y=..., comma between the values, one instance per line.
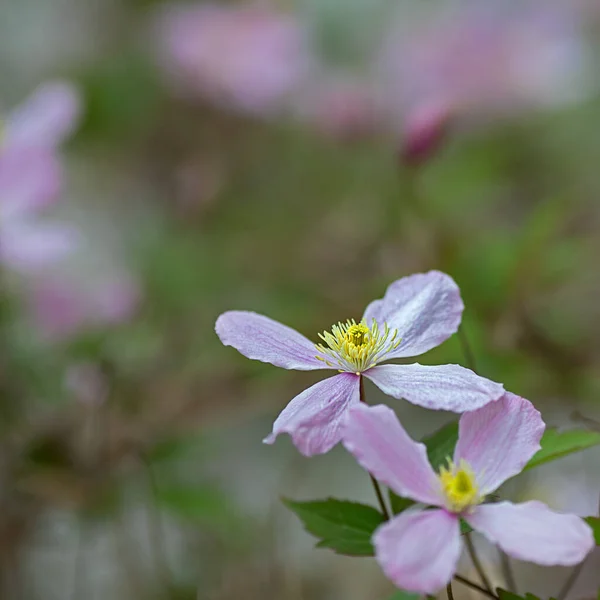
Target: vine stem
x=474, y=586
x=477, y=564
x=449, y=591
x=374, y=481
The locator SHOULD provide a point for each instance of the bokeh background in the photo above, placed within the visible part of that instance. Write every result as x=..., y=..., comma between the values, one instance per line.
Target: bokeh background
x=290, y=157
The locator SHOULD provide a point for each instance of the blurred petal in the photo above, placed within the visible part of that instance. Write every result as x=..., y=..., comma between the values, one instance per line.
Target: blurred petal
x=29, y=179
x=532, y=532
x=375, y=437
x=499, y=439
x=315, y=417
x=260, y=338
x=46, y=118
x=444, y=387
x=26, y=247
x=418, y=551
x=425, y=308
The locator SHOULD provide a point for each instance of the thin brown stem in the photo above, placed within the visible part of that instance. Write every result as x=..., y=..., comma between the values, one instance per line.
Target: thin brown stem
x=474, y=586
x=449, y=591
x=507, y=572
x=374, y=481
x=477, y=564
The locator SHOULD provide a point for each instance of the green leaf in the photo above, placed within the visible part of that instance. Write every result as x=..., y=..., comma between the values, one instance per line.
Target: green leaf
x=440, y=445
x=345, y=527
x=557, y=444
x=505, y=595
x=402, y=595
x=594, y=523
x=398, y=503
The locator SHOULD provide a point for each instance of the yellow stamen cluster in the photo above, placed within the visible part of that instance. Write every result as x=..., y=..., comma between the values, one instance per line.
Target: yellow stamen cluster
x=459, y=487
x=355, y=347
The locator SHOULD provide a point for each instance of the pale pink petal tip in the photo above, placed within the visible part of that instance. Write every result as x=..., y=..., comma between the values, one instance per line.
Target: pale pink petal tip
x=260, y=338
x=534, y=533
x=375, y=437
x=499, y=439
x=315, y=418
x=425, y=308
x=419, y=551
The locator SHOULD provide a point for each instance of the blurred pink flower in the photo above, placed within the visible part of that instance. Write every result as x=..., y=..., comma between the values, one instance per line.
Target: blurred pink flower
x=486, y=60
x=75, y=299
x=249, y=57
x=30, y=178
x=419, y=549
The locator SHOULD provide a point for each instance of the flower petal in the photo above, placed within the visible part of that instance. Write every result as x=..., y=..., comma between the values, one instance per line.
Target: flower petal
x=532, y=532
x=46, y=118
x=315, y=417
x=261, y=338
x=418, y=551
x=443, y=387
x=498, y=439
x=376, y=438
x=425, y=308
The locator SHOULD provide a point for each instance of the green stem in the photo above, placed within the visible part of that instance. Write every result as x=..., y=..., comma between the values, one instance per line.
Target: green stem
x=477, y=564
x=374, y=481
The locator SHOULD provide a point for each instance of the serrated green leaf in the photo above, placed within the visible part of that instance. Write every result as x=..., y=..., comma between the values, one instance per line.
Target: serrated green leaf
x=345, y=527
x=403, y=595
x=594, y=523
x=398, y=503
x=440, y=445
x=557, y=444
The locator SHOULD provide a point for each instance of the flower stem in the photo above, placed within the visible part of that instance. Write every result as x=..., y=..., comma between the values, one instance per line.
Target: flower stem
x=507, y=572
x=476, y=563
x=570, y=582
x=474, y=586
x=374, y=481
x=449, y=591
x=466, y=349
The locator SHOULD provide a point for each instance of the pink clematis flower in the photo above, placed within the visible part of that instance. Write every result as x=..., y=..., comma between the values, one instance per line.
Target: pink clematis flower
x=416, y=314
x=419, y=549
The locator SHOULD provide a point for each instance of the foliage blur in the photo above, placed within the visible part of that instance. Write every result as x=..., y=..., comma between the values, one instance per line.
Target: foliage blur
x=291, y=158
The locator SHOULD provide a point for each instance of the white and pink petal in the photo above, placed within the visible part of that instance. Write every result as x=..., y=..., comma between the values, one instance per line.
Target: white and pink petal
x=425, y=308
x=375, y=437
x=443, y=387
x=419, y=550
x=315, y=418
x=260, y=338
x=532, y=532
x=498, y=439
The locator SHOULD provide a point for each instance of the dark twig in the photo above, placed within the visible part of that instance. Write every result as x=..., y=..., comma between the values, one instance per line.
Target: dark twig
x=477, y=564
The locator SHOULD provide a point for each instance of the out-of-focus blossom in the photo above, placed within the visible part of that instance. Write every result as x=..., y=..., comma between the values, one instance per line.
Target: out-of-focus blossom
x=75, y=299
x=30, y=178
x=416, y=314
x=246, y=57
x=419, y=549
x=44, y=120
x=485, y=61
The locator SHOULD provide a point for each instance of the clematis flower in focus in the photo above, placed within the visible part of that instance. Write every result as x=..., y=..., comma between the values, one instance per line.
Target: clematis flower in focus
x=416, y=314
x=249, y=58
x=419, y=549
x=30, y=178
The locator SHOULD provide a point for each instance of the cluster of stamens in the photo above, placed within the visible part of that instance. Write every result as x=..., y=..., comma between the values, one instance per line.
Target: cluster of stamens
x=459, y=487
x=355, y=347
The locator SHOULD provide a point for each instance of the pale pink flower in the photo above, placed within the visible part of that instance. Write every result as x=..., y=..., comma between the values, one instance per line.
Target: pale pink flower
x=246, y=57
x=419, y=549
x=416, y=314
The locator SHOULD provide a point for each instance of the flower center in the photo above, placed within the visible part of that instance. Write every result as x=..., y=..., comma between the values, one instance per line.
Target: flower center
x=355, y=347
x=459, y=486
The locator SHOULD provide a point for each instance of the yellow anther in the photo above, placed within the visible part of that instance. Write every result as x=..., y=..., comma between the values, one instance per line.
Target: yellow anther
x=355, y=347
x=459, y=486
